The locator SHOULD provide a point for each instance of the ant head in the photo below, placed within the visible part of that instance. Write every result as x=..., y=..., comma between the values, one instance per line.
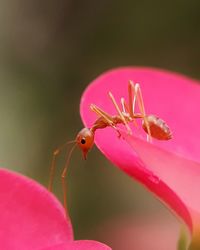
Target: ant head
x=85, y=140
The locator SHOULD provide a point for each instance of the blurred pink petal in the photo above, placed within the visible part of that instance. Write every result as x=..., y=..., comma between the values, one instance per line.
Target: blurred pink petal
x=32, y=218
x=80, y=245
x=30, y=215
x=170, y=169
x=147, y=232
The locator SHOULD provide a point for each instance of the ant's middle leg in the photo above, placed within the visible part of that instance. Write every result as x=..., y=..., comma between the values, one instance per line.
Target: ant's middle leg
x=120, y=113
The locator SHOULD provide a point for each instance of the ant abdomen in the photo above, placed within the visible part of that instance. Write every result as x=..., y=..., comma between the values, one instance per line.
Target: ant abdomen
x=158, y=128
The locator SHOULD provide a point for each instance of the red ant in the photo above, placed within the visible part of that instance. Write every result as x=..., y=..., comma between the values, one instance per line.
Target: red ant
x=152, y=125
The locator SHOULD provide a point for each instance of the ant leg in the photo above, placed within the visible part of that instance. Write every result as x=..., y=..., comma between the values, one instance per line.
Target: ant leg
x=124, y=106
x=126, y=111
x=106, y=116
x=138, y=93
x=63, y=176
x=119, y=112
x=131, y=101
x=102, y=113
x=53, y=164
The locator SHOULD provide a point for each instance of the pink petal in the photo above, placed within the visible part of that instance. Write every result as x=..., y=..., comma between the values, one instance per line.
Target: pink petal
x=80, y=245
x=146, y=232
x=30, y=217
x=170, y=169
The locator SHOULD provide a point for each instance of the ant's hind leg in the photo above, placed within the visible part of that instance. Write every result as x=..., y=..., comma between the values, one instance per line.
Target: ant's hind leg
x=131, y=99
x=138, y=95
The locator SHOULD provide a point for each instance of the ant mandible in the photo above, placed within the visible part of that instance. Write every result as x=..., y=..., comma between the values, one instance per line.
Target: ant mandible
x=152, y=125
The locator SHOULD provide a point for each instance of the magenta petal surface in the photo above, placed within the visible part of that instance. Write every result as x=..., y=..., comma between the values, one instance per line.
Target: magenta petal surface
x=30, y=217
x=80, y=245
x=169, y=169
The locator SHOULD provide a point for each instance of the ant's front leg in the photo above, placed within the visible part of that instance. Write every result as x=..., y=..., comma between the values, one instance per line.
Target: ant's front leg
x=108, y=119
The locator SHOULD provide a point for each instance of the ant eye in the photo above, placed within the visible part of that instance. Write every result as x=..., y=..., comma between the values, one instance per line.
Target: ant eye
x=83, y=141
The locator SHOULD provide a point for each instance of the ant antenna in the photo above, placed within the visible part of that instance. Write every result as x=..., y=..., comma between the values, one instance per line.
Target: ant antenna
x=64, y=173
x=53, y=163
x=84, y=140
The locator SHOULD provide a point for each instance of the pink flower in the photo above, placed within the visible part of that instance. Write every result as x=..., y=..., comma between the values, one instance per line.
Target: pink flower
x=145, y=232
x=31, y=218
x=169, y=169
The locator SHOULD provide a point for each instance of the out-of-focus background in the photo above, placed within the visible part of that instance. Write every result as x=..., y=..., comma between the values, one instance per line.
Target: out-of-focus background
x=50, y=51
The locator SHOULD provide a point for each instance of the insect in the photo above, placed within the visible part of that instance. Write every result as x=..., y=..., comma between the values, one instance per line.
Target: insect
x=152, y=125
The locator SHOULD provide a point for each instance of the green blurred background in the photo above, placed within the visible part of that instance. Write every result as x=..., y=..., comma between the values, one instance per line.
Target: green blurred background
x=50, y=51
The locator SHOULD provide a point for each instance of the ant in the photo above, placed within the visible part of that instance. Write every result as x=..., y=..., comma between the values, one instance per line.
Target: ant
x=152, y=125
